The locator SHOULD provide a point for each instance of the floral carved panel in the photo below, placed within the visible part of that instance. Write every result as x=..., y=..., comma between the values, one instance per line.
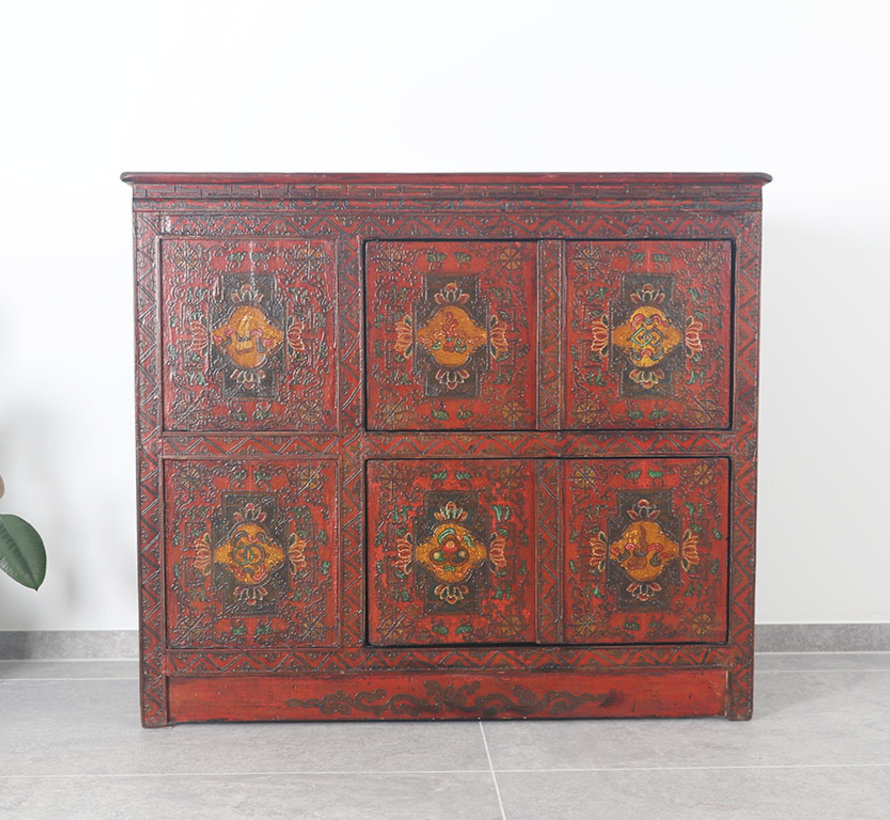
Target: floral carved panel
x=251, y=553
x=451, y=551
x=248, y=334
x=649, y=334
x=451, y=335
x=646, y=556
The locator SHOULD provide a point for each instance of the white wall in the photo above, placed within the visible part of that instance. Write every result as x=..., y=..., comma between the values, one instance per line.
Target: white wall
x=795, y=89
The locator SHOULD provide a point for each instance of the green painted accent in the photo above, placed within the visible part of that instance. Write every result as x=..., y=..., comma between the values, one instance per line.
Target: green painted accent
x=501, y=512
x=633, y=475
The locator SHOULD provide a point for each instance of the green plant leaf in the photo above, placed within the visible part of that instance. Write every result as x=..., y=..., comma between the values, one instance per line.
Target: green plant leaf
x=22, y=554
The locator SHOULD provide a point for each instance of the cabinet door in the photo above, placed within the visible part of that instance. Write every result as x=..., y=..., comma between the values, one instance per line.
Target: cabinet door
x=649, y=334
x=646, y=550
x=451, y=335
x=251, y=553
x=248, y=335
x=451, y=551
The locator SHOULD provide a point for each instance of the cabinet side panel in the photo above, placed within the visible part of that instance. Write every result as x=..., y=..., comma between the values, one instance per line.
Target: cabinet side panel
x=150, y=502
x=744, y=494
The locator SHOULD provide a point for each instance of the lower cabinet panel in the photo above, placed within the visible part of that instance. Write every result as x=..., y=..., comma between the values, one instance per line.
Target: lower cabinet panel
x=647, y=693
x=451, y=551
x=640, y=554
x=646, y=550
x=251, y=553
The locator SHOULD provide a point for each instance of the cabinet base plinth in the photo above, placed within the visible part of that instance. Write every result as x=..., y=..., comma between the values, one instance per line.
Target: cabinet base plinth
x=649, y=693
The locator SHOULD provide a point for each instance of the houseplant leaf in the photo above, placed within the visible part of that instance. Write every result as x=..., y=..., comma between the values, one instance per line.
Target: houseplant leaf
x=22, y=555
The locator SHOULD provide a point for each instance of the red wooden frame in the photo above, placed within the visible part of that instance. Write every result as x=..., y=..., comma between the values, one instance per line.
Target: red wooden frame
x=355, y=679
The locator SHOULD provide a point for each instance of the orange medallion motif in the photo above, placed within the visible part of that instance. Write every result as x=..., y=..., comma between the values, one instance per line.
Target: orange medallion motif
x=250, y=553
x=248, y=337
x=451, y=553
x=451, y=336
x=647, y=336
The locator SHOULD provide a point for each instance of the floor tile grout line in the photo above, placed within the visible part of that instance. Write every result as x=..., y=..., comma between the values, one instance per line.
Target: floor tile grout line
x=422, y=772
x=332, y=773
x=819, y=671
x=494, y=777
x=60, y=680
x=753, y=766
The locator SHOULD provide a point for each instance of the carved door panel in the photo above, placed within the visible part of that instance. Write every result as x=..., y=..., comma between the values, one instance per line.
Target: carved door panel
x=248, y=334
x=646, y=550
x=251, y=553
x=649, y=334
x=451, y=335
x=451, y=551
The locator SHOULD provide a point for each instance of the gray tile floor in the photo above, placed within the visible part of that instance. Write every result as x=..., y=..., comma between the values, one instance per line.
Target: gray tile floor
x=818, y=747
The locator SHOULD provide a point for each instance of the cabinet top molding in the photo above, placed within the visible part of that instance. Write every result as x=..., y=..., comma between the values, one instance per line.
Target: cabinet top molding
x=479, y=186
x=176, y=178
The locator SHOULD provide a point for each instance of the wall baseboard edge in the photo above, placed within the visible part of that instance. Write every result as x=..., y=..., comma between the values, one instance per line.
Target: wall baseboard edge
x=105, y=644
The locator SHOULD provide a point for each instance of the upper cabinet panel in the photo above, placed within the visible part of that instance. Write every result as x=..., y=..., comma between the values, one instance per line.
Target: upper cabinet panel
x=248, y=335
x=451, y=335
x=649, y=334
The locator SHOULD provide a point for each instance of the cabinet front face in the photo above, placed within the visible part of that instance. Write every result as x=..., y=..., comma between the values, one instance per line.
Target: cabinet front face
x=248, y=335
x=649, y=334
x=451, y=551
x=251, y=553
x=451, y=335
x=646, y=550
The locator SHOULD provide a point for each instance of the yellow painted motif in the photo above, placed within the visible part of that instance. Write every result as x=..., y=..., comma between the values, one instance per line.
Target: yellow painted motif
x=644, y=550
x=250, y=553
x=248, y=337
x=647, y=336
x=451, y=336
x=452, y=552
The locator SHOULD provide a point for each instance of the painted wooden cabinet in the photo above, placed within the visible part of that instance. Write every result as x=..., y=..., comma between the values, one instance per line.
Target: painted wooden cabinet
x=446, y=446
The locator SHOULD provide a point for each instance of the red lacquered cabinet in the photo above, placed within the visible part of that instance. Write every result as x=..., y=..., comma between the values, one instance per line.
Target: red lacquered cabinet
x=446, y=446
